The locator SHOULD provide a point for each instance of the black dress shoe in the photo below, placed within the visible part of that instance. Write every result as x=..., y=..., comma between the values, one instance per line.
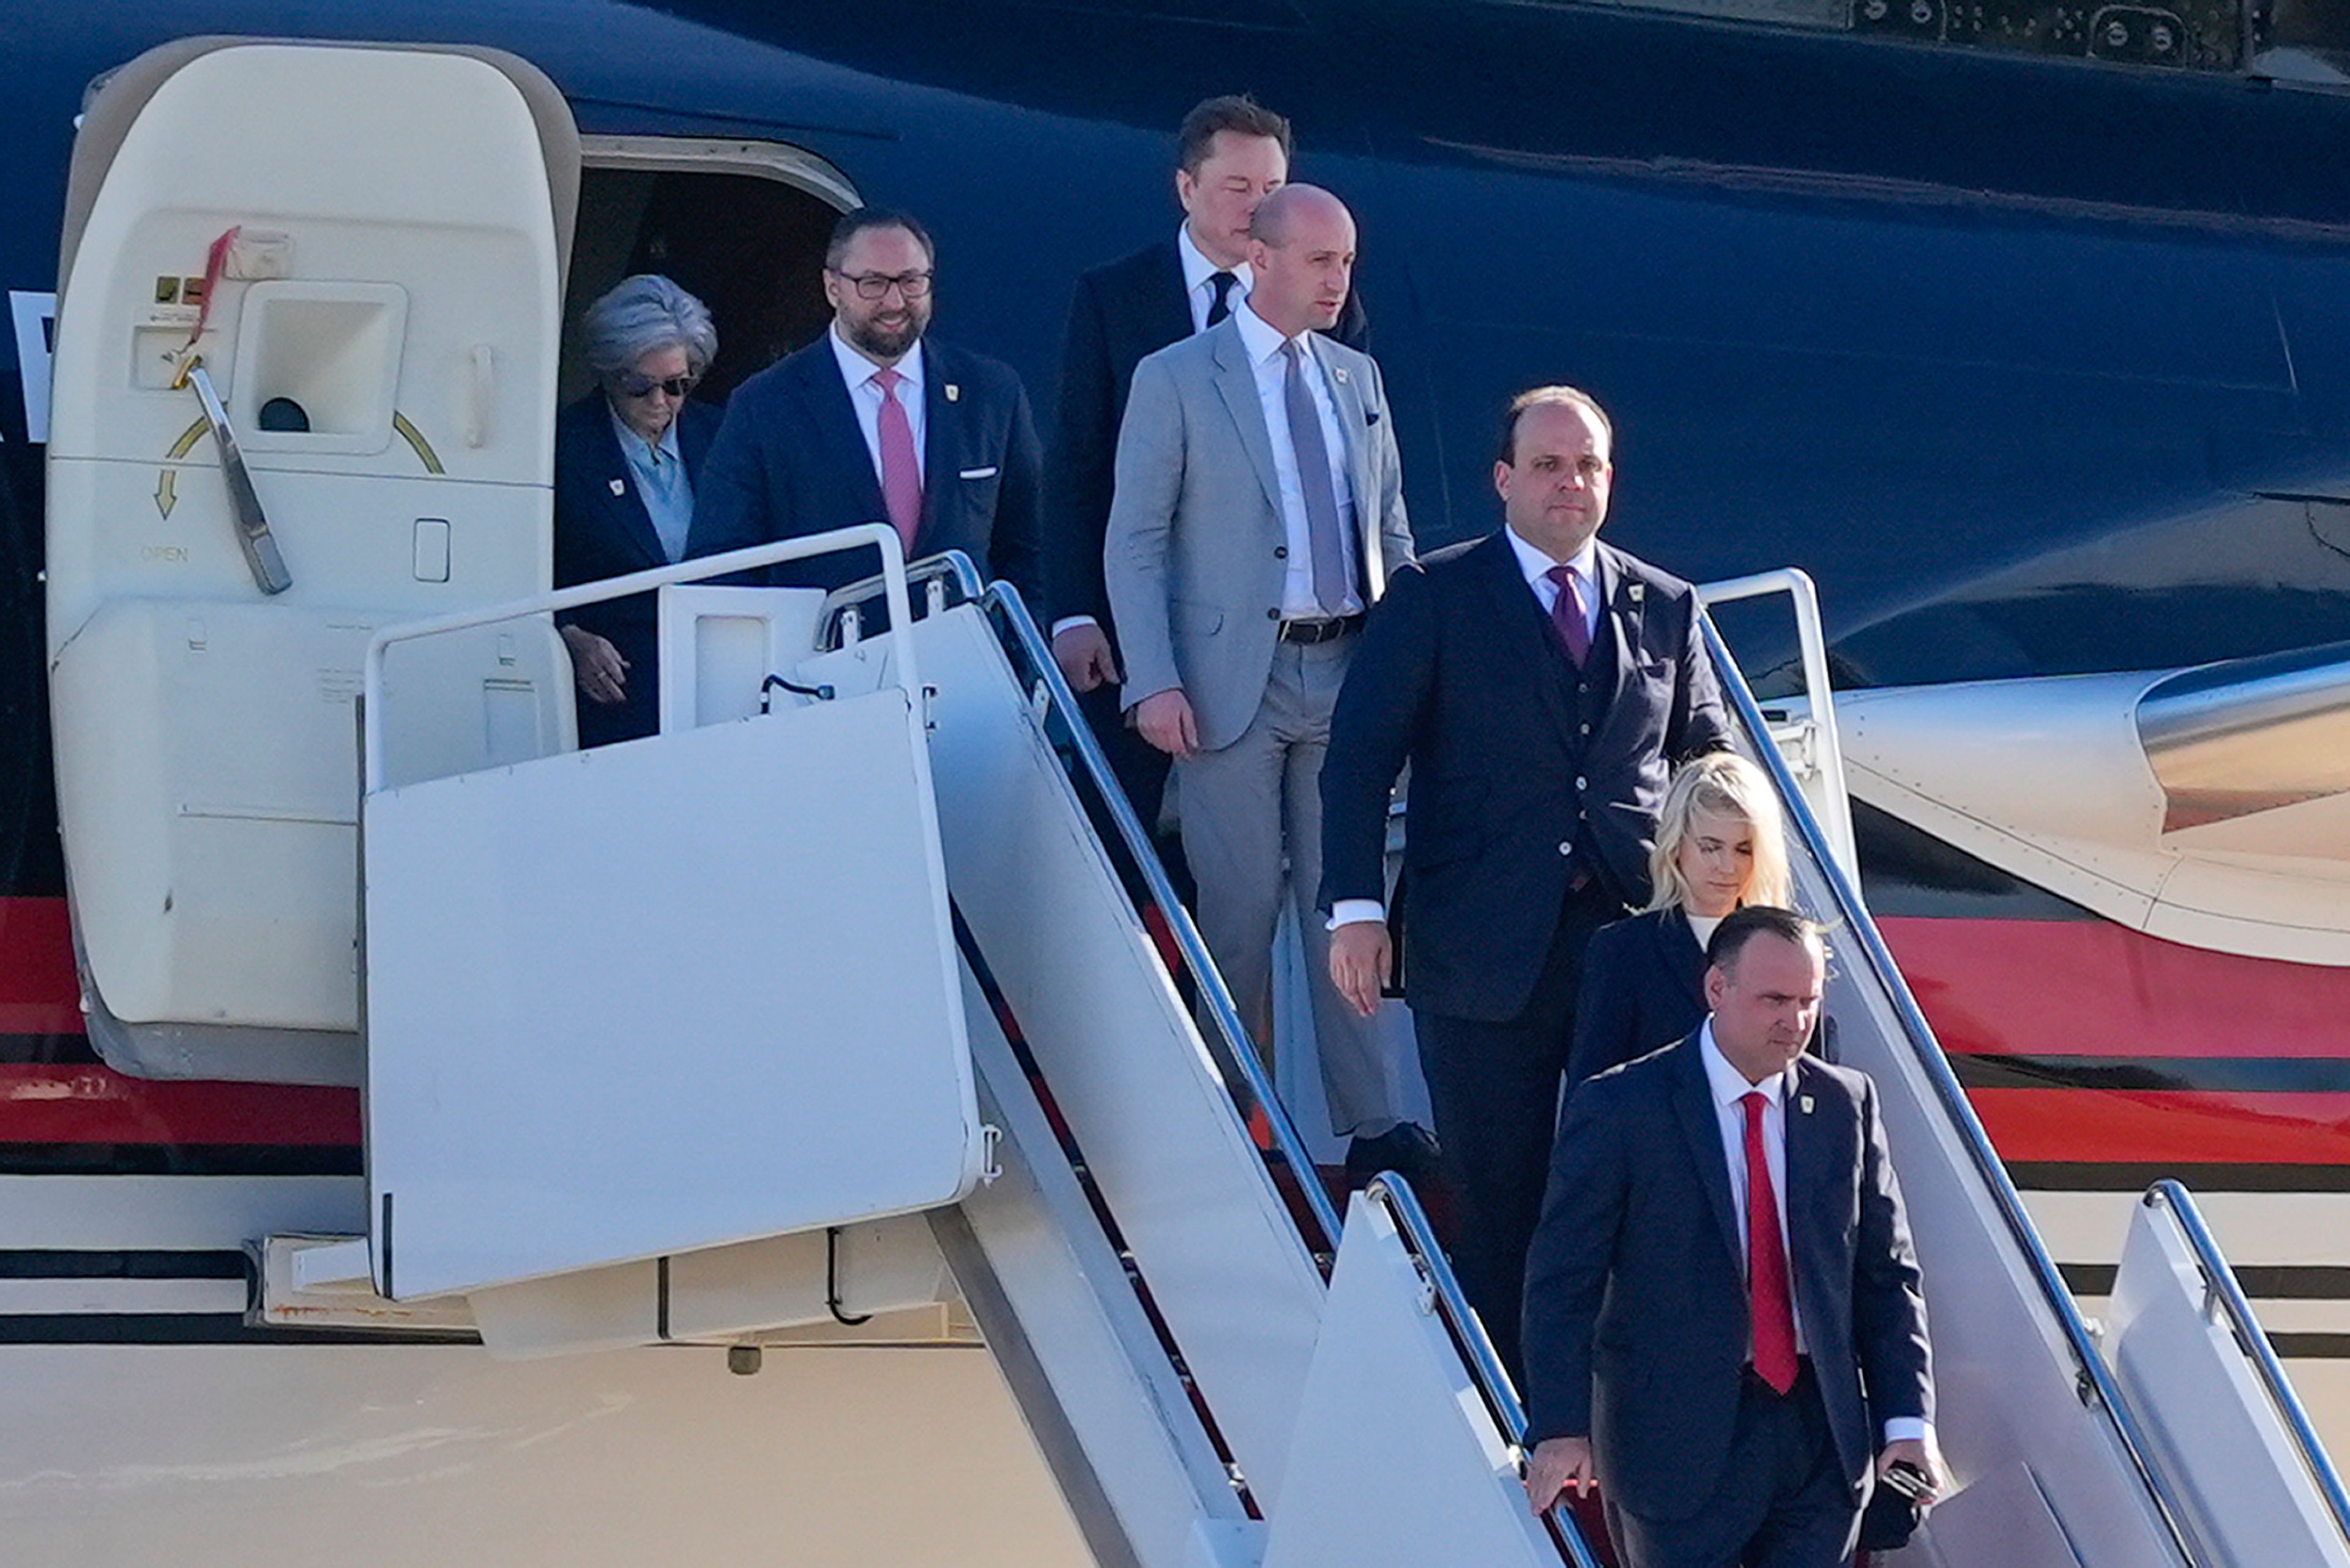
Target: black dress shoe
x=1405, y=1149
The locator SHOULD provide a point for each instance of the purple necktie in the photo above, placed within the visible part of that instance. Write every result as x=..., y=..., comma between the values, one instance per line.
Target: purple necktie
x=1566, y=614
x=901, y=475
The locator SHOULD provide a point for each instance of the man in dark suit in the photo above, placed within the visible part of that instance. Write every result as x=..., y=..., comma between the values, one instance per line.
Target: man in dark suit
x=877, y=422
x=1724, y=1324
x=1540, y=683
x=1231, y=153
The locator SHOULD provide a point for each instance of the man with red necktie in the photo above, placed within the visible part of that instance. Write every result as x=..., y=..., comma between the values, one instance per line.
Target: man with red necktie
x=1724, y=1321
x=877, y=422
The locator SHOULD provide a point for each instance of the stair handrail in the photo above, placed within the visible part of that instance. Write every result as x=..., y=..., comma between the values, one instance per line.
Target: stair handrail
x=1852, y=915
x=2222, y=1290
x=1393, y=1193
x=1228, y=1040
x=554, y=601
x=949, y=571
x=1811, y=651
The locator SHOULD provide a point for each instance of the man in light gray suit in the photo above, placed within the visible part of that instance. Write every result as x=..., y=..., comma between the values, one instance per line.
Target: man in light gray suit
x=1257, y=512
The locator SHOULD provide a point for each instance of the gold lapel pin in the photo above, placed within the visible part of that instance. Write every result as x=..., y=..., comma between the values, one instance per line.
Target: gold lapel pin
x=953, y=393
x=619, y=487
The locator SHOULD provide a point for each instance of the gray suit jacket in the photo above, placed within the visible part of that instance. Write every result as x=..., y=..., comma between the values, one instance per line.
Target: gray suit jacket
x=1195, y=553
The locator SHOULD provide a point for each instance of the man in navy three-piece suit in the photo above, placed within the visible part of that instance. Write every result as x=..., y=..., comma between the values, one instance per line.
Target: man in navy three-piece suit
x=1724, y=1324
x=1541, y=684
x=874, y=422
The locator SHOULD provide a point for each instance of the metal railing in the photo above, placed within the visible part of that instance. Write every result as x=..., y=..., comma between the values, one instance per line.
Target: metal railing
x=2097, y=1377
x=1835, y=808
x=944, y=580
x=1393, y=1194
x=1228, y=1041
x=2222, y=1291
x=949, y=579
x=878, y=535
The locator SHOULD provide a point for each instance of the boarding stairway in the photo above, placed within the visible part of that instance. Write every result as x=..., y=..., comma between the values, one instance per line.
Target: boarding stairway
x=842, y=1000
x=1216, y=1371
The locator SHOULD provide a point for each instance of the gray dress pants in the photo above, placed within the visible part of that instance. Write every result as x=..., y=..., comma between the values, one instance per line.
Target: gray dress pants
x=1244, y=808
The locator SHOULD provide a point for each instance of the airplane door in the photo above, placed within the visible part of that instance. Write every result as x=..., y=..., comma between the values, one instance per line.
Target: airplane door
x=305, y=385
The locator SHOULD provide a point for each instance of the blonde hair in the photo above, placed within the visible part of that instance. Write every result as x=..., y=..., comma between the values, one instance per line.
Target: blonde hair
x=1724, y=784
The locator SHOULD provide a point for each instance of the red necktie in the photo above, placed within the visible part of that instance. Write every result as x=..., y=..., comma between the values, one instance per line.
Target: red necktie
x=1769, y=1306
x=901, y=475
x=1566, y=614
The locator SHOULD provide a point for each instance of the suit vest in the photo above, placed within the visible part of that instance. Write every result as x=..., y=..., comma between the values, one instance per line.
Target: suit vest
x=1585, y=694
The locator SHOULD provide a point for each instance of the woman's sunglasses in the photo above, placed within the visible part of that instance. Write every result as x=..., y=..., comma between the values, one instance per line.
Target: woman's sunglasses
x=633, y=385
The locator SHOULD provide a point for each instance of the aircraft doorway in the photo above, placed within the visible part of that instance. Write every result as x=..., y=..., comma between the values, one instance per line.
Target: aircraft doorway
x=740, y=224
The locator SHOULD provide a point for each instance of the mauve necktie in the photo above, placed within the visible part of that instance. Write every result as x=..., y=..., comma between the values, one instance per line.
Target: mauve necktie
x=1322, y=529
x=902, y=473
x=1222, y=306
x=1566, y=613
x=1770, y=1305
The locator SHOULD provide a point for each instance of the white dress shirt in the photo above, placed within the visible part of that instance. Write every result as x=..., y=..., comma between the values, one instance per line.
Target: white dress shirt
x=1729, y=1087
x=1199, y=275
x=1534, y=564
x=865, y=396
x=1199, y=295
x=1264, y=345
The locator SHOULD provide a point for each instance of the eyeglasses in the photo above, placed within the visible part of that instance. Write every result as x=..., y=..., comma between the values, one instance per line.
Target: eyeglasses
x=874, y=284
x=632, y=384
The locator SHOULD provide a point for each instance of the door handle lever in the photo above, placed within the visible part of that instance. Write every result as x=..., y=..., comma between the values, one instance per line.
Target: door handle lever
x=252, y=534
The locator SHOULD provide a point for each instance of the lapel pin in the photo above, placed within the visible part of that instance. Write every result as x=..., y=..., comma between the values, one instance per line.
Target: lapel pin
x=1803, y=1103
x=1339, y=372
x=1637, y=592
x=953, y=393
x=619, y=487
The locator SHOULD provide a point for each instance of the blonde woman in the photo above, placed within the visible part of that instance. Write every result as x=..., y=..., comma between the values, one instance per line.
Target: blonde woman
x=1721, y=843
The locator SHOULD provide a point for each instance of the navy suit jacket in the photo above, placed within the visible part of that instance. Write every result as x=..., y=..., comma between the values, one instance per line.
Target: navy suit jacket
x=1122, y=312
x=603, y=532
x=1643, y=985
x=791, y=462
x=1636, y=1307
x=1456, y=674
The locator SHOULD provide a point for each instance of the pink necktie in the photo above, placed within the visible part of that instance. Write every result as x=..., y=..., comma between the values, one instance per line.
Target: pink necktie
x=901, y=475
x=1566, y=614
x=1768, y=1304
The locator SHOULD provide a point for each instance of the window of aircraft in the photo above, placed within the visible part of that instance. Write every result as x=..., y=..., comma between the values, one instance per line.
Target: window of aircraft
x=2195, y=34
x=740, y=225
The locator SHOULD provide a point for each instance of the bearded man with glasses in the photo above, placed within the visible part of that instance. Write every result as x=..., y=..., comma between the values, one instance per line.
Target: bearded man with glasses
x=877, y=422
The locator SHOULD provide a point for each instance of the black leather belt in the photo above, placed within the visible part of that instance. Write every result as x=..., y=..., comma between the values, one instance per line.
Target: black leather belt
x=1312, y=631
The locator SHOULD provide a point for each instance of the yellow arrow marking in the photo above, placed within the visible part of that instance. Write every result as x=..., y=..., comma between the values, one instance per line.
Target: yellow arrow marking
x=415, y=438
x=167, y=484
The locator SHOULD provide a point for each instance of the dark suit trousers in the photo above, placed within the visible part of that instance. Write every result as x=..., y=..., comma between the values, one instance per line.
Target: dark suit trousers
x=1494, y=1088
x=1780, y=1501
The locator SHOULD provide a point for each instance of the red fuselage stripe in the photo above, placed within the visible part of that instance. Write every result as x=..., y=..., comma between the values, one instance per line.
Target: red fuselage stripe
x=83, y=1103
x=39, y=992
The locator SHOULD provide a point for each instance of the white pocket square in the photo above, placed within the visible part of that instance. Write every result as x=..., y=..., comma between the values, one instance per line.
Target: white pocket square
x=979, y=473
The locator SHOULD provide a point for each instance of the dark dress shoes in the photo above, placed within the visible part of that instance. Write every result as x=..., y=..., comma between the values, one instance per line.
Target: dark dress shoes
x=1405, y=1149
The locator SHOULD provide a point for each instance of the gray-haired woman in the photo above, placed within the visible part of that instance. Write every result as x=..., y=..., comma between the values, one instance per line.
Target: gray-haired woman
x=625, y=459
